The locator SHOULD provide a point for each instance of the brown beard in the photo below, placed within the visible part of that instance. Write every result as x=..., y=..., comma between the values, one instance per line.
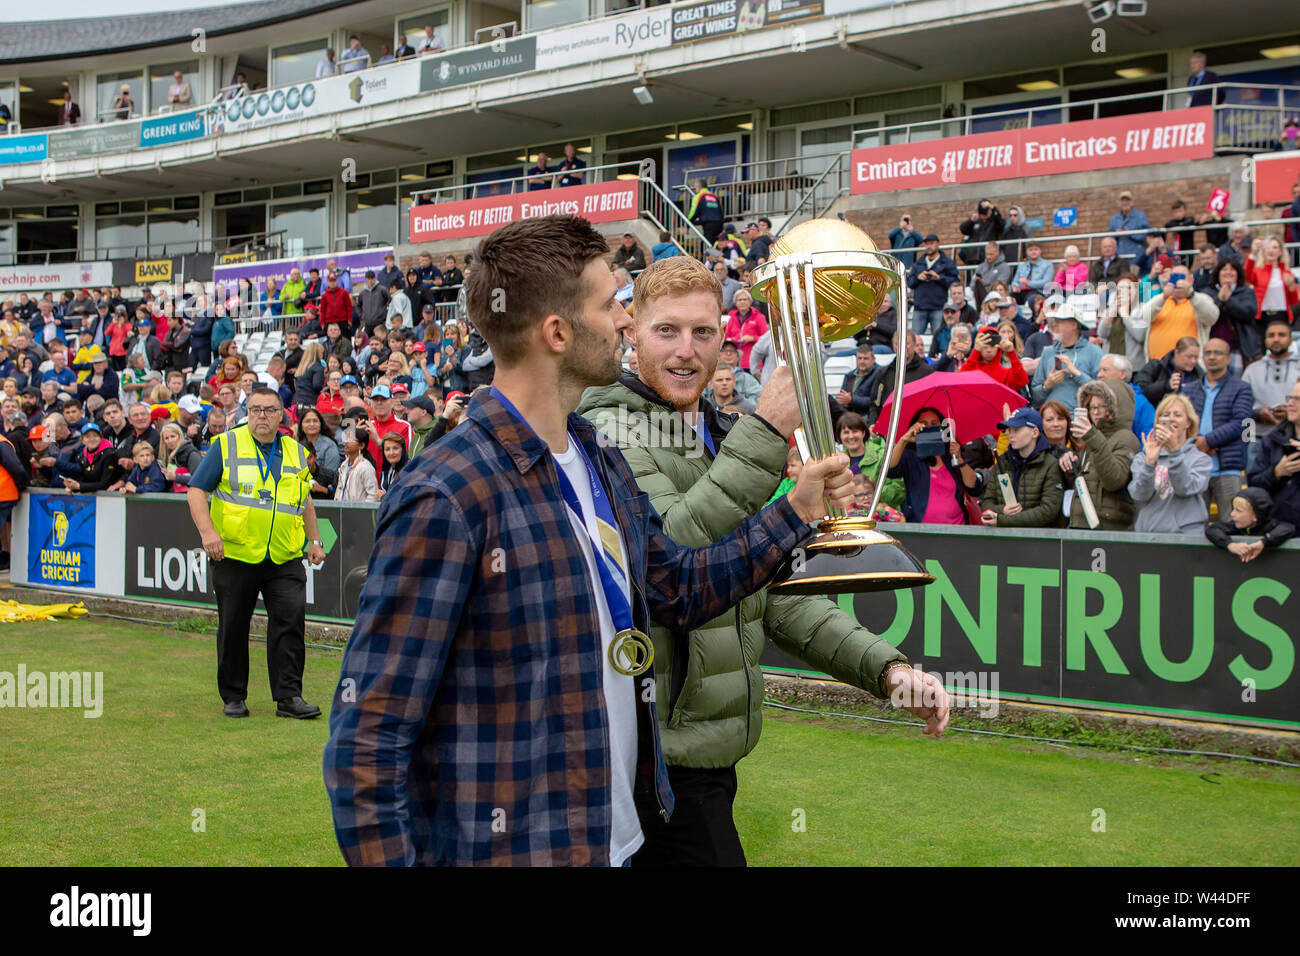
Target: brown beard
x=592, y=362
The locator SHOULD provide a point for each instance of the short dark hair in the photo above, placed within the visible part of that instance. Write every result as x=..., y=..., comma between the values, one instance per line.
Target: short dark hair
x=850, y=420
x=1227, y=262
x=533, y=268
x=764, y=219
x=265, y=392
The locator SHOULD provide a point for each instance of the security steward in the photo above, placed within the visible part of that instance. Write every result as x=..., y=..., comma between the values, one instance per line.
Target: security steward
x=260, y=517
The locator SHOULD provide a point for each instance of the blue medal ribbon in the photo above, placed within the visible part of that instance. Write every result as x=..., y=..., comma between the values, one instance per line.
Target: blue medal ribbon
x=631, y=652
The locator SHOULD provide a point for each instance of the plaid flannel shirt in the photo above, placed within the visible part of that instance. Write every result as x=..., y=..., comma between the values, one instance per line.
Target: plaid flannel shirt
x=470, y=726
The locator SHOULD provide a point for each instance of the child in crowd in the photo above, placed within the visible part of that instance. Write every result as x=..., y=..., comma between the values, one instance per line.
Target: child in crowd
x=1250, y=517
x=793, y=465
x=863, y=490
x=146, y=476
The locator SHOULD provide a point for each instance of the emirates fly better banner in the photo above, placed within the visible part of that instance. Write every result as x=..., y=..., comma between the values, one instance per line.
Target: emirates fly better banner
x=1042, y=151
x=597, y=202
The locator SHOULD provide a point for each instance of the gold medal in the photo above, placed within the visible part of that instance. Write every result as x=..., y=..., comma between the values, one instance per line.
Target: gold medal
x=631, y=652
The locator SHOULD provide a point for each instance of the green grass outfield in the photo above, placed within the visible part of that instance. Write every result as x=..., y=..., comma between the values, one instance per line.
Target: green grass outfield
x=122, y=789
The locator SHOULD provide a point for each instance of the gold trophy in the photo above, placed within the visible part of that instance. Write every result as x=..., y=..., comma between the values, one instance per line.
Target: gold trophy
x=825, y=281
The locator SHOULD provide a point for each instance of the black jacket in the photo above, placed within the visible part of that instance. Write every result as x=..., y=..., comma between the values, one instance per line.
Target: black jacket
x=1285, y=491
x=862, y=398
x=96, y=475
x=1013, y=251
x=153, y=350
x=980, y=232
x=1273, y=532
x=1153, y=378
x=308, y=385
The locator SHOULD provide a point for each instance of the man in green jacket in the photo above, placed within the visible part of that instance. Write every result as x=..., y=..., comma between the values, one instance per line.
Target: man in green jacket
x=294, y=286
x=1025, y=488
x=705, y=473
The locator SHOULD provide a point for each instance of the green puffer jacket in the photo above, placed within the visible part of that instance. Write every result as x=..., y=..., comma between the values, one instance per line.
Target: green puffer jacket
x=709, y=688
x=1040, y=491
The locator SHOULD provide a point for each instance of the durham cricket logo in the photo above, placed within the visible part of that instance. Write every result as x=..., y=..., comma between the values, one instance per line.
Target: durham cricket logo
x=60, y=528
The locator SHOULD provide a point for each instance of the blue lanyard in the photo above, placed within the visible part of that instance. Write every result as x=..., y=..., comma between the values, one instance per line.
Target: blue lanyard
x=704, y=433
x=619, y=609
x=265, y=473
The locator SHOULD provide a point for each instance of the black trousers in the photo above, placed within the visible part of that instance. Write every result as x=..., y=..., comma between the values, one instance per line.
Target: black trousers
x=283, y=588
x=701, y=832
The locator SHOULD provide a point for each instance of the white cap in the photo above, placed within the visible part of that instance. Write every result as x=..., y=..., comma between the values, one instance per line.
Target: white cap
x=190, y=403
x=1066, y=310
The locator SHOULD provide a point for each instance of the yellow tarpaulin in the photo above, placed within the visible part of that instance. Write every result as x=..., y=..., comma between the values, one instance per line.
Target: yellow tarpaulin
x=11, y=612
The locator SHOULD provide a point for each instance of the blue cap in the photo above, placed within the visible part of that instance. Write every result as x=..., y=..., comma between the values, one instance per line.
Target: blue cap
x=1022, y=417
x=90, y=427
x=381, y=391
x=349, y=380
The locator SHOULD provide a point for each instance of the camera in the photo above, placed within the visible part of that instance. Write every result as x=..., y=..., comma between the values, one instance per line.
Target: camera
x=930, y=443
x=978, y=452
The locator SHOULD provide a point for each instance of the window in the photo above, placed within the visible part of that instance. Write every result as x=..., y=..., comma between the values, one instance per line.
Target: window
x=296, y=62
x=541, y=14
x=161, y=79
x=121, y=237
x=1038, y=81
x=373, y=213
x=413, y=26
x=107, y=88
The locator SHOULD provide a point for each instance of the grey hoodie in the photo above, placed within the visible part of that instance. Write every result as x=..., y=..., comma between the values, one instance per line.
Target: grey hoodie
x=1182, y=512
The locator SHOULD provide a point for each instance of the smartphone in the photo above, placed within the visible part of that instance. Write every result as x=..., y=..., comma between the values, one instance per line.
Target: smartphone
x=1081, y=414
x=1165, y=420
x=1058, y=363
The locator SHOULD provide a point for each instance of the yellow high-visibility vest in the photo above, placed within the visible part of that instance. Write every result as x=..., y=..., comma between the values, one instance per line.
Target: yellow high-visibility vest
x=250, y=509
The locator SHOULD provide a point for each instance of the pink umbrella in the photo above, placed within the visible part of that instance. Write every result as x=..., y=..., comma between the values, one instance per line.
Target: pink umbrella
x=971, y=399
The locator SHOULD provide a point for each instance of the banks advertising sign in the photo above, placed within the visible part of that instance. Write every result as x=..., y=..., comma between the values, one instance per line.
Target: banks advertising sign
x=1108, y=143
x=595, y=202
x=56, y=275
x=487, y=61
x=153, y=270
x=173, y=128
x=1087, y=619
x=711, y=18
x=23, y=149
x=61, y=540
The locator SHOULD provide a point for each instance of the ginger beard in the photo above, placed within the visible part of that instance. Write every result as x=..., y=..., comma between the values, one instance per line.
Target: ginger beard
x=678, y=339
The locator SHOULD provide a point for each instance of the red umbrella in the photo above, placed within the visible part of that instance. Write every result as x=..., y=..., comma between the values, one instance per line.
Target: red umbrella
x=971, y=399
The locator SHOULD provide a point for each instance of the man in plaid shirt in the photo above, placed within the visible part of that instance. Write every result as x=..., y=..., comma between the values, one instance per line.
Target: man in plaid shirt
x=482, y=715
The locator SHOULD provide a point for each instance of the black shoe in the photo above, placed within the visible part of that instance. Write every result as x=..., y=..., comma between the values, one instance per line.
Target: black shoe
x=296, y=707
x=235, y=708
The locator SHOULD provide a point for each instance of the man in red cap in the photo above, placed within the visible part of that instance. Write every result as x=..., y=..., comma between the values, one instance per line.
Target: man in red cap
x=383, y=421
x=336, y=305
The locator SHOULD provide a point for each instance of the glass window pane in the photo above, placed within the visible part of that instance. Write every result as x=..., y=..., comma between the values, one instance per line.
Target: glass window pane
x=373, y=213
x=296, y=62
x=541, y=14
x=161, y=79
x=413, y=26
x=107, y=88
x=306, y=226
x=120, y=236
x=173, y=233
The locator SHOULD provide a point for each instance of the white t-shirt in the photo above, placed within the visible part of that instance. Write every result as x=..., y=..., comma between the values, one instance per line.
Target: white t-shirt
x=1274, y=293
x=620, y=690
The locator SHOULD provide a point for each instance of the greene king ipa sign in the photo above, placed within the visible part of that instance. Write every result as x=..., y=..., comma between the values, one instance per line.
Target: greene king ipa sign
x=1180, y=628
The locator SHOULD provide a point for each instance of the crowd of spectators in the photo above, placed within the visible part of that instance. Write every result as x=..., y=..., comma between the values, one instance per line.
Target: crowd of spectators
x=1159, y=380
x=1171, y=405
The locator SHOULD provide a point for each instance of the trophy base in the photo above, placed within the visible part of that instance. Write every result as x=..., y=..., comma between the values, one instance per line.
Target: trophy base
x=848, y=555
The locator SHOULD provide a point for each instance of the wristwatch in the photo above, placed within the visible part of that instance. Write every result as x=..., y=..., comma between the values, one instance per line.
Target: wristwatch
x=317, y=543
x=884, y=673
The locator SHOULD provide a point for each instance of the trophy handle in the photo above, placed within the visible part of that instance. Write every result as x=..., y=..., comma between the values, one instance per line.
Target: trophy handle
x=900, y=370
